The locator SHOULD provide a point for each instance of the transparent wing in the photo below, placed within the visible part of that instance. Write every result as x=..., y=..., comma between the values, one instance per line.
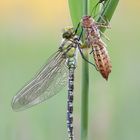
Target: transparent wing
x=48, y=82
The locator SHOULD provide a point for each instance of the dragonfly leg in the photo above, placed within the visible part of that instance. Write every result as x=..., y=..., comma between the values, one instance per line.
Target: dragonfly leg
x=105, y=22
x=85, y=58
x=104, y=35
x=77, y=28
x=91, y=51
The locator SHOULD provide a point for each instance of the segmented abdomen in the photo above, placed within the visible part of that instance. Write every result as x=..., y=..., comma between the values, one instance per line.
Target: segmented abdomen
x=102, y=59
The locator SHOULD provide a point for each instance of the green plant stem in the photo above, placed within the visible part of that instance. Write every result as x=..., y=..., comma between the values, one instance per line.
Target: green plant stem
x=76, y=11
x=85, y=86
x=84, y=97
x=85, y=7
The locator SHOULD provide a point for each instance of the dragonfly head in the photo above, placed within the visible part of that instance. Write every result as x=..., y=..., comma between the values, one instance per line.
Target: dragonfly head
x=68, y=32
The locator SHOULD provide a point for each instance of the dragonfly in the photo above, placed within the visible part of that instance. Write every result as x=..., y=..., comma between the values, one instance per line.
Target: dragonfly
x=53, y=77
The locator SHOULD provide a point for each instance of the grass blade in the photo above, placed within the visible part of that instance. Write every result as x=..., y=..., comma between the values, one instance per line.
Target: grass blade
x=78, y=8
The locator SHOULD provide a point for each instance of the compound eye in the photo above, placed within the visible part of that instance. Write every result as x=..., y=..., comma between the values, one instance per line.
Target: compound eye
x=67, y=35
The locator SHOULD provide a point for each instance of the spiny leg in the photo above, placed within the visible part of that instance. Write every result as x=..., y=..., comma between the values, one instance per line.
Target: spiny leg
x=91, y=51
x=105, y=22
x=86, y=59
x=104, y=35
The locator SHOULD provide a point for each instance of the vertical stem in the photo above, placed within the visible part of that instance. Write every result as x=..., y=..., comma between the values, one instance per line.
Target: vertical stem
x=85, y=7
x=84, y=96
x=85, y=87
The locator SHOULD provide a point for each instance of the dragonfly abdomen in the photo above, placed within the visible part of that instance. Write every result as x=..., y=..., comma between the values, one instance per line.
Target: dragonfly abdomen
x=102, y=59
x=71, y=63
x=70, y=103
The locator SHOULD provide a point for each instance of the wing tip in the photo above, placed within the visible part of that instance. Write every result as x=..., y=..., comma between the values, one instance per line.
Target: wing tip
x=15, y=104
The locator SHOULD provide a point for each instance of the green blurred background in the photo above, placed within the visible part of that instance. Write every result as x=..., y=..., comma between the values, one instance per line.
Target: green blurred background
x=30, y=31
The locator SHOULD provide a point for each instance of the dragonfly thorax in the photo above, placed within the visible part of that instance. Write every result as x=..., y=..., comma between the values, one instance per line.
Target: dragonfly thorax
x=71, y=62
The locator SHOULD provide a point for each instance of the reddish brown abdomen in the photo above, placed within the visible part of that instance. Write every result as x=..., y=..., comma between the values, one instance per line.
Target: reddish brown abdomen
x=102, y=59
